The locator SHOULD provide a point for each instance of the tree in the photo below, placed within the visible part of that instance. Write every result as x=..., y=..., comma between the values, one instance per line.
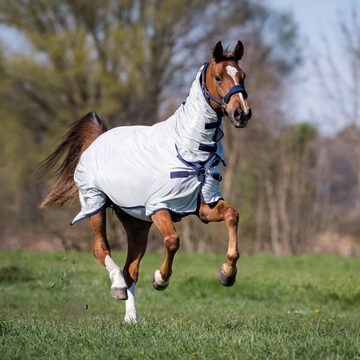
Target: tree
x=343, y=101
x=111, y=56
x=124, y=59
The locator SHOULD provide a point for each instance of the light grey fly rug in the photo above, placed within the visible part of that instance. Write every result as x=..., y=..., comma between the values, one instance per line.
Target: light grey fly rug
x=143, y=169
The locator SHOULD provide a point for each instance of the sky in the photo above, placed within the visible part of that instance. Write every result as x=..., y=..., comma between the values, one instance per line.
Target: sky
x=315, y=19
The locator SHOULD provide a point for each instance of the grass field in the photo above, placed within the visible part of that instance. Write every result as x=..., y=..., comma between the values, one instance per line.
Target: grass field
x=58, y=306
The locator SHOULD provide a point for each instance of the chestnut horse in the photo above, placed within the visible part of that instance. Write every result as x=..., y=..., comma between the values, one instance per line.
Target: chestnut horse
x=180, y=159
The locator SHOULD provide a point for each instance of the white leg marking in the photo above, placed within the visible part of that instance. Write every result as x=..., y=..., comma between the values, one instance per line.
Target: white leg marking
x=116, y=275
x=159, y=280
x=130, y=306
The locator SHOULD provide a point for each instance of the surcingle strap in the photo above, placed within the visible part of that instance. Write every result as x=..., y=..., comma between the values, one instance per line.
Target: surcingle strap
x=213, y=125
x=182, y=174
x=200, y=172
x=217, y=176
x=208, y=148
x=198, y=169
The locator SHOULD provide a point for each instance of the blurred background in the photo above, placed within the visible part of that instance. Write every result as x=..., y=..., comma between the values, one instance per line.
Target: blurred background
x=294, y=172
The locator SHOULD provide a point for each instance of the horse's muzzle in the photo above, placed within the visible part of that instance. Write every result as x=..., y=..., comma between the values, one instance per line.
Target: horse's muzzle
x=240, y=118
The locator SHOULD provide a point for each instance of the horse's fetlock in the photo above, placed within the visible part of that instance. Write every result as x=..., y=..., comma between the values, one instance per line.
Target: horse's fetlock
x=233, y=257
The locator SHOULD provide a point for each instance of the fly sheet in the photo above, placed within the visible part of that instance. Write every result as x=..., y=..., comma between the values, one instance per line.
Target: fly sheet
x=143, y=169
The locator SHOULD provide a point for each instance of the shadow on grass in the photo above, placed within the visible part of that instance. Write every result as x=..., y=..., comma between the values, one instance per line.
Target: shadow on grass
x=14, y=274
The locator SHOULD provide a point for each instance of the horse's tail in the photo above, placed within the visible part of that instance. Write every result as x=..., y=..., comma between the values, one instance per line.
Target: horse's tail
x=63, y=161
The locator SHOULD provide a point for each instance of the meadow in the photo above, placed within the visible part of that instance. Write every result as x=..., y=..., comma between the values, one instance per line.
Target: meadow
x=58, y=306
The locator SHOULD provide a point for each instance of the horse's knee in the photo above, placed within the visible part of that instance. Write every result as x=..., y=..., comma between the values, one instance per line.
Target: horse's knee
x=203, y=215
x=172, y=242
x=232, y=216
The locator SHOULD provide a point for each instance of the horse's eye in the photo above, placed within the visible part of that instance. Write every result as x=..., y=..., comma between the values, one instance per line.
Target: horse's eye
x=218, y=78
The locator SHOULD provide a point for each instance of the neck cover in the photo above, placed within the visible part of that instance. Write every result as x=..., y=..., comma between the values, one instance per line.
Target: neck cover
x=143, y=169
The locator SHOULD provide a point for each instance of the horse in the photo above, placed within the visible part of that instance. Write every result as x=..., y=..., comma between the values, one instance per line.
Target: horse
x=155, y=174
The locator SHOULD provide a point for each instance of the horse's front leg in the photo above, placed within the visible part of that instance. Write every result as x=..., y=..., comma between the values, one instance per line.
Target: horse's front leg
x=162, y=220
x=223, y=212
x=101, y=251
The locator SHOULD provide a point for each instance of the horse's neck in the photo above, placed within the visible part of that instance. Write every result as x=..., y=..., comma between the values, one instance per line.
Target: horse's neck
x=189, y=122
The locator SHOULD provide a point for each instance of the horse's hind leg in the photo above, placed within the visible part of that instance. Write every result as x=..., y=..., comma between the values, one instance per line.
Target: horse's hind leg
x=101, y=251
x=162, y=220
x=137, y=235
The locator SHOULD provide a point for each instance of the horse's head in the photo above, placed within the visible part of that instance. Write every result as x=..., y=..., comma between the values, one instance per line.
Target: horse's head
x=225, y=82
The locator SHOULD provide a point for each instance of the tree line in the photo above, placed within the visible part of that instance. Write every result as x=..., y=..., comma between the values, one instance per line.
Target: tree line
x=133, y=62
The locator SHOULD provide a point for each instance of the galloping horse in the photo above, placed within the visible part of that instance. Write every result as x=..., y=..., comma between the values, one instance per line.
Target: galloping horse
x=155, y=174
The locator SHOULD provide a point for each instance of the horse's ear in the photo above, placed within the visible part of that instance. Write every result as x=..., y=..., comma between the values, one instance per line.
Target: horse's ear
x=218, y=51
x=238, y=51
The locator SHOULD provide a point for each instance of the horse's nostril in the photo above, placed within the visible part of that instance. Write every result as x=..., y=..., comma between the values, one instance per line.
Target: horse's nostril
x=248, y=115
x=237, y=115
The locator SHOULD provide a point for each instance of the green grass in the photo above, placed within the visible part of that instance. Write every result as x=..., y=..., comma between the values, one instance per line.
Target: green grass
x=58, y=306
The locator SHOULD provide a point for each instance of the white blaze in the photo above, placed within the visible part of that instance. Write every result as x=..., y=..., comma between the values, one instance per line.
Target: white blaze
x=232, y=71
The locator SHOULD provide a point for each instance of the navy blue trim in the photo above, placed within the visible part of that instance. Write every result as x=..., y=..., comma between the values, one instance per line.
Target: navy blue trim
x=201, y=163
x=181, y=214
x=217, y=176
x=91, y=214
x=219, y=134
x=214, y=202
x=208, y=148
x=130, y=207
x=225, y=100
x=213, y=98
x=235, y=89
x=213, y=125
x=187, y=163
x=181, y=174
x=200, y=172
x=204, y=89
x=216, y=162
x=191, y=164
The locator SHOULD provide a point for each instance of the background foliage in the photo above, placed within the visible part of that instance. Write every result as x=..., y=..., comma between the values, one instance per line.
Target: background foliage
x=133, y=62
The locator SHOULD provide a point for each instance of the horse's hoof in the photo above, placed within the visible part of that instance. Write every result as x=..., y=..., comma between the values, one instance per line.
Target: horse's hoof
x=131, y=319
x=158, y=283
x=119, y=293
x=226, y=280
